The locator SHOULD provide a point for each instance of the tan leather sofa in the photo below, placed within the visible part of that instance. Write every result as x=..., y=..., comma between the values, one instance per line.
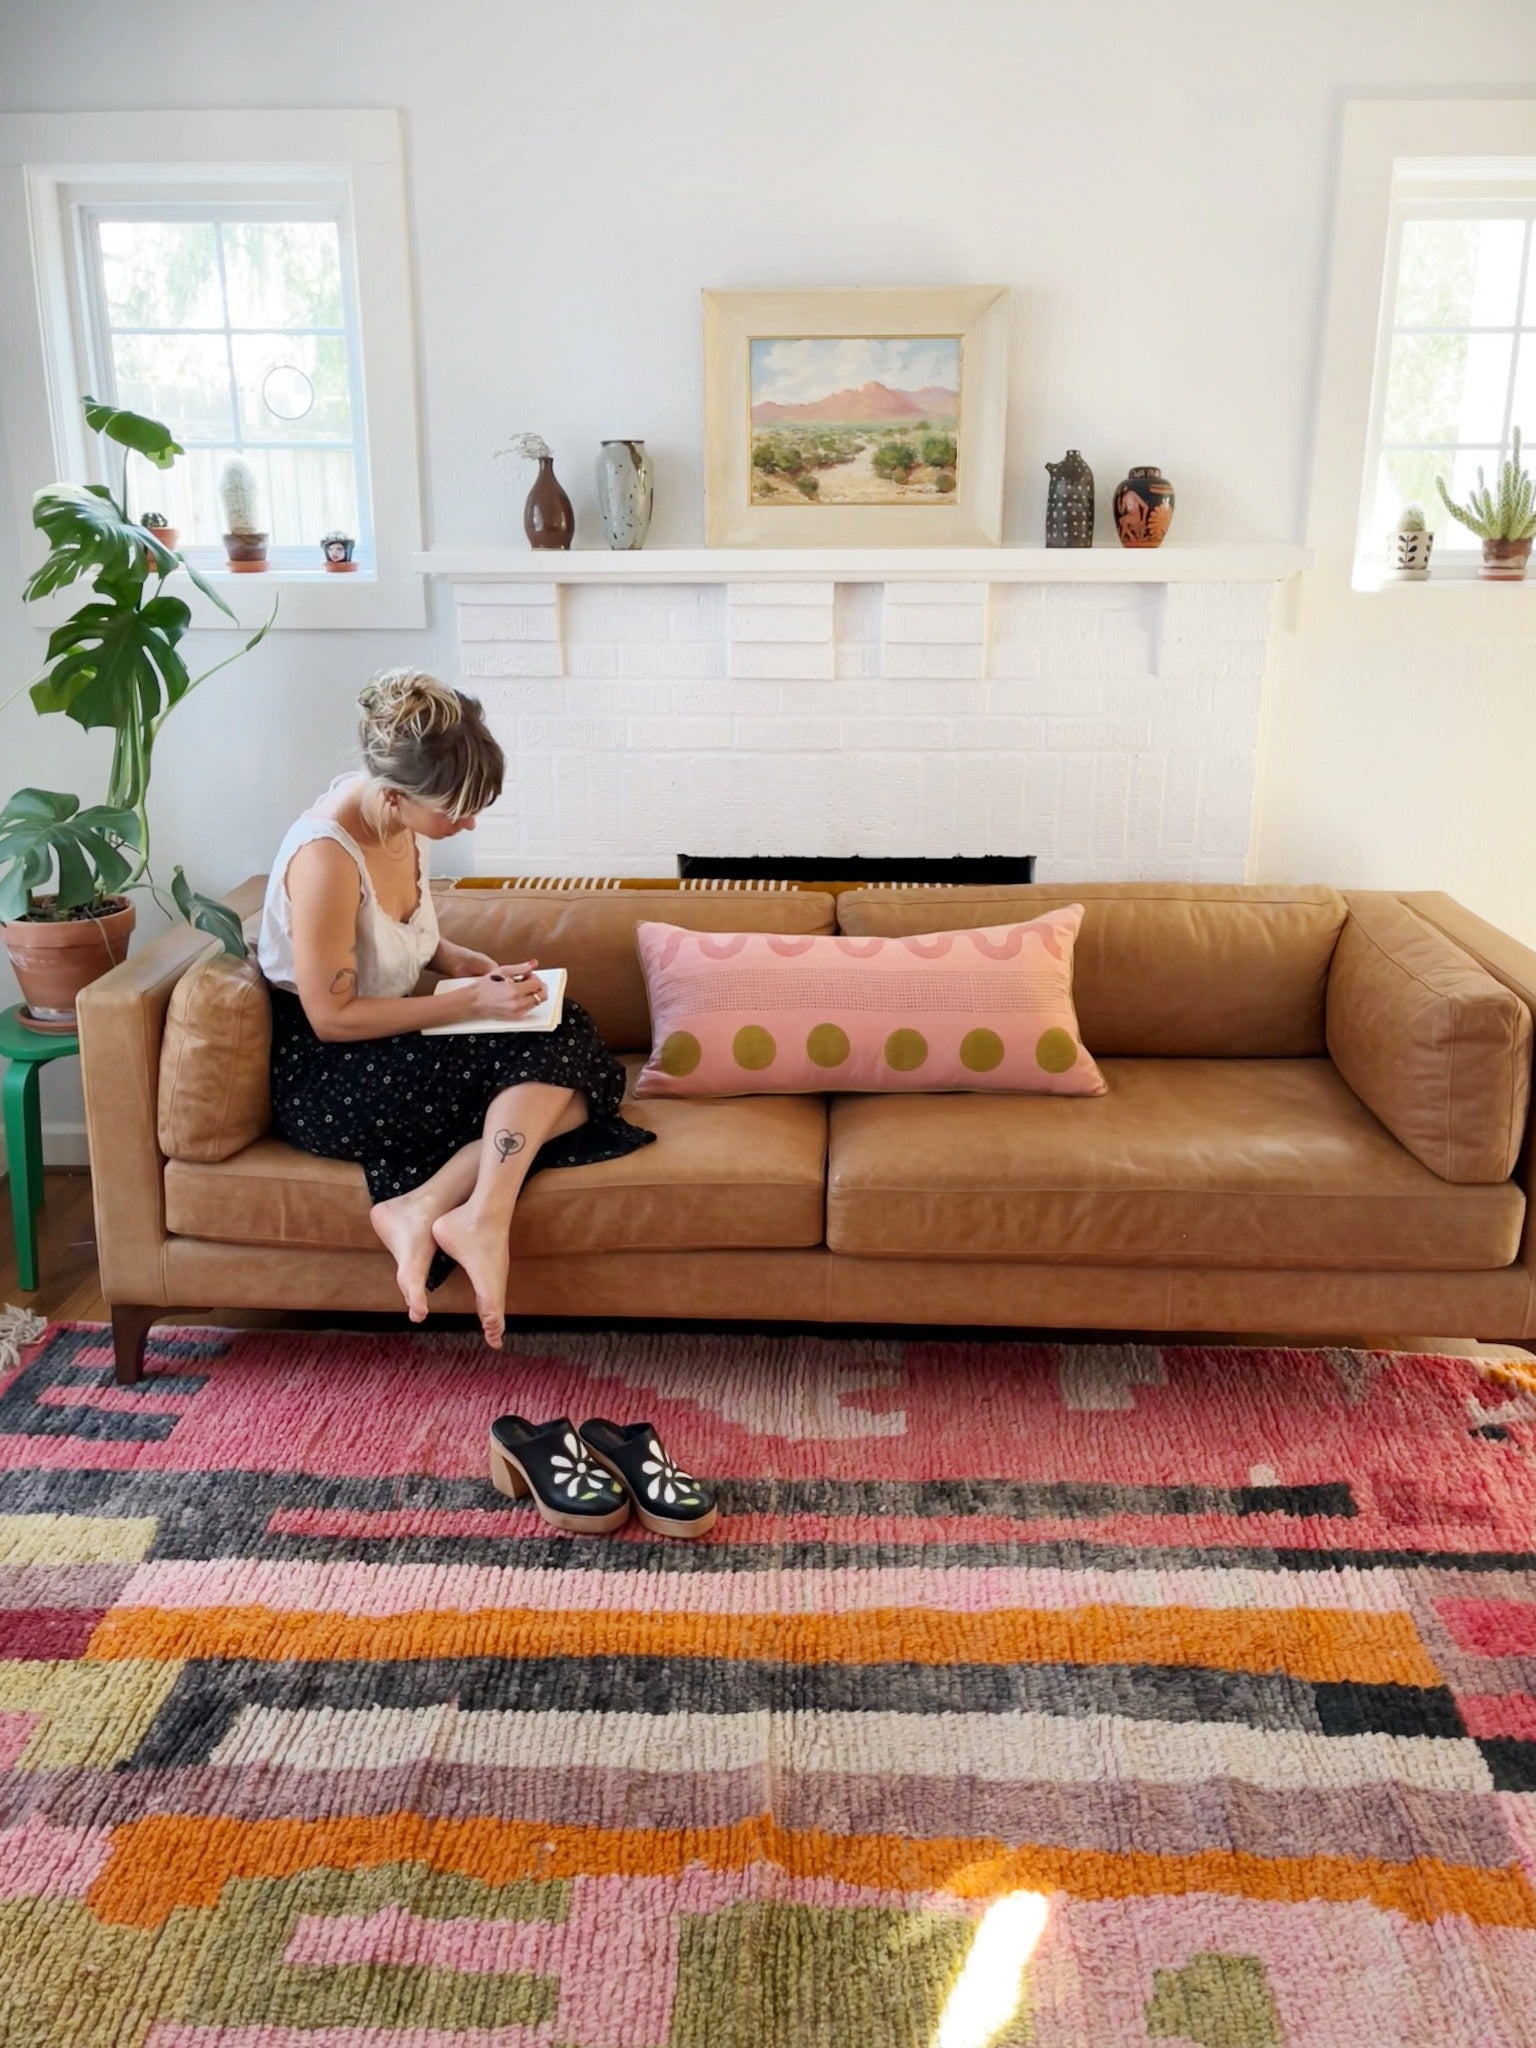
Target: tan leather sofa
x=1231, y=1179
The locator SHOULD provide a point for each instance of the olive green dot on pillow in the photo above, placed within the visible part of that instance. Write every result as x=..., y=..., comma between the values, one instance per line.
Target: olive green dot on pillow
x=753, y=1048
x=905, y=1050
x=826, y=1045
x=1055, y=1051
x=680, y=1054
x=981, y=1051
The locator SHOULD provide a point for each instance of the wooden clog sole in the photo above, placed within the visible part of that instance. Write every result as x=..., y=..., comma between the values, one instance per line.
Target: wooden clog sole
x=659, y=1525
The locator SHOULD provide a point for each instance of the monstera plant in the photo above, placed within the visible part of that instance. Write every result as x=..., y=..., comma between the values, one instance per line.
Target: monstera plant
x=116, y=662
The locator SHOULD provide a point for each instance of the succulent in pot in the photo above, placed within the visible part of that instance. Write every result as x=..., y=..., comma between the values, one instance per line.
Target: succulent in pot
x=66, y=871
x=245, y=545
x=336, y=550
x=1504, y=518
x=1408, y=546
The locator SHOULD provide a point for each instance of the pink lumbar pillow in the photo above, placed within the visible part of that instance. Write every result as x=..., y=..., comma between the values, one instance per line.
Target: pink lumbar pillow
x=774, y=1013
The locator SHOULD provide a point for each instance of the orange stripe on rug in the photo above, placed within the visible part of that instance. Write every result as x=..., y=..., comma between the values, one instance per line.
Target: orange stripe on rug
x=1308, y=1643
x=167, y=1862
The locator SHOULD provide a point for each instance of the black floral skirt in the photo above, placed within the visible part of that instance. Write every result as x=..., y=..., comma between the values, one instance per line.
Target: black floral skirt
x=402, y=1106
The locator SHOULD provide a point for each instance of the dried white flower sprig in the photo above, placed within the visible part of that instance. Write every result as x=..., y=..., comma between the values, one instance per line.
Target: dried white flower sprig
x=532, y=447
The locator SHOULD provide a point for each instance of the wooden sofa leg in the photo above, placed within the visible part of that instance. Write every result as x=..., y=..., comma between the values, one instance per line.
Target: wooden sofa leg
x=131, y=1326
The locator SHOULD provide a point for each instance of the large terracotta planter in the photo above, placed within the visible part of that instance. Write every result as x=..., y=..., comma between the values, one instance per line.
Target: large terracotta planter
x=53, y=962
x=1504, y=561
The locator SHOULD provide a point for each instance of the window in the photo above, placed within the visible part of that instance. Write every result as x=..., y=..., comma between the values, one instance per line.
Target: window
x=1456, y=369
x=236, y=325
x=241, y=276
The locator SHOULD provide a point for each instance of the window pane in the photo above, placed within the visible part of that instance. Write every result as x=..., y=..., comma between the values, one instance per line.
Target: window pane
x=1447, y=387
x=182, y=379
x=293, y=387
x=1459, y=273
x=160, y=273
x=283, y=273
x=1524, y=415
x=1407, y=476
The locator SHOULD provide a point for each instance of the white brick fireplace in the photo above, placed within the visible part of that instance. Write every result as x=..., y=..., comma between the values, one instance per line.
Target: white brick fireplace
x=1098, y=709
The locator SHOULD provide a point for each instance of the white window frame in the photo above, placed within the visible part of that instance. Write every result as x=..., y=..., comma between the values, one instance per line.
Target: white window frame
x=1436, y=191
x=85, y=207
x=1394, y=155
x=51, y=164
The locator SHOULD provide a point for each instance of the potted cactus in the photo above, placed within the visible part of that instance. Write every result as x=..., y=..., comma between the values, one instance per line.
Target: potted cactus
x=157, y=524
x=1408, y=546
x=1503, y=518
x=245, y=545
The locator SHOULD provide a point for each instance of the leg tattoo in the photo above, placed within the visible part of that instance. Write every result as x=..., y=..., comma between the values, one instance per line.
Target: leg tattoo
x=508, y=1144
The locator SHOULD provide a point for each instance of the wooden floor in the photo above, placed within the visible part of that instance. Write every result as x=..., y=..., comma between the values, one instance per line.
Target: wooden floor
x=71, y=1292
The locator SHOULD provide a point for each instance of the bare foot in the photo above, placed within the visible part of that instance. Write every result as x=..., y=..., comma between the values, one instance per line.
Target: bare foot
x=481, y=1249
x=404, y=1223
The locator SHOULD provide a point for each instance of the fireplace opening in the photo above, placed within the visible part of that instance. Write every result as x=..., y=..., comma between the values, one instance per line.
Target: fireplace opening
x=911, y=871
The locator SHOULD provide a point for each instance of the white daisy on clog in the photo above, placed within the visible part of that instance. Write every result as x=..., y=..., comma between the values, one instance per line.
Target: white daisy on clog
x=668, y=1482
x=577, y=1474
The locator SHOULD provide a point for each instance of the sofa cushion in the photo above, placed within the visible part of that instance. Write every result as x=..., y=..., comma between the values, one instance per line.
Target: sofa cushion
x=592, y=935
x=746, y=1173
x=215, y=1060
x=1242, y=1163
x=1429, y=1041
x=750, y=1013
x=1192, y=970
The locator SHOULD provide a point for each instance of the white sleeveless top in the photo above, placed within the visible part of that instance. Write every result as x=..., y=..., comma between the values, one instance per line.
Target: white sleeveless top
x=390, y=952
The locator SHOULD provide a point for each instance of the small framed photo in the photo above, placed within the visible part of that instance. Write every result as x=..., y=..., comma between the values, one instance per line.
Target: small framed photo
x=857, y=418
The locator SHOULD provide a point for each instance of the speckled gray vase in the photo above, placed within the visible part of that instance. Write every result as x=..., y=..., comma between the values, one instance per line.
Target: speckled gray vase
x=624, y=492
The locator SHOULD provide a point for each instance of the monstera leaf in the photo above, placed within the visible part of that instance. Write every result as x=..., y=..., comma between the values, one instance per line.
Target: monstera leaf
x=146, y=437
x=204, y=914
x=41, y=829
x=88, y=535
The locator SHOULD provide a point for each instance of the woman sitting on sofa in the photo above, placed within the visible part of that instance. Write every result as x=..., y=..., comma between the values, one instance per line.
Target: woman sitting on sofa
x=446, y=1129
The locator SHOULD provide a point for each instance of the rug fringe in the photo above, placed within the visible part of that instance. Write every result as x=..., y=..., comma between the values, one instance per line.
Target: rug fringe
x=19, y=1327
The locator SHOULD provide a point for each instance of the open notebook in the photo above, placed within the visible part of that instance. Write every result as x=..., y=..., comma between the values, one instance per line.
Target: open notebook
x=545, y=1018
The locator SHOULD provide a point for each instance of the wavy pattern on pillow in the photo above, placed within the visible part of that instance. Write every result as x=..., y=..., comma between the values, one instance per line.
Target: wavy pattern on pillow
x=753, y=1013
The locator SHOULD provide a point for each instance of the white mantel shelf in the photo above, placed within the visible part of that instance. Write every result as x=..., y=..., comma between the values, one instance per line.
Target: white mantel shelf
x=1240, y=562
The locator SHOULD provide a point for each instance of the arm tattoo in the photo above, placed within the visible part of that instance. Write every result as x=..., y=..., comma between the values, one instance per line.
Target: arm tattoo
x=509, y=1143
x=344, y=982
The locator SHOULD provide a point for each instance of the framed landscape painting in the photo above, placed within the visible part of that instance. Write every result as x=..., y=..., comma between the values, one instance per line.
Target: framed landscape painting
x=857, y=418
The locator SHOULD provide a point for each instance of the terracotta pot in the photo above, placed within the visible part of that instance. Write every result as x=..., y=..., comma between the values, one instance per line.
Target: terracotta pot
x=53, y=962
x=246, y=553
x=548, y=519
x=1143, y=508
x=1504, y=561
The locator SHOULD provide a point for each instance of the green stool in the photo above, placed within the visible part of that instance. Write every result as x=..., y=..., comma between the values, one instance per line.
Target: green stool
x=24, y=1052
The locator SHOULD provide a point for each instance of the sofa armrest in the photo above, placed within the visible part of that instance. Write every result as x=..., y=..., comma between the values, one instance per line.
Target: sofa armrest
x=1430, y=1041
x=1514, y=965
x=121, y=1020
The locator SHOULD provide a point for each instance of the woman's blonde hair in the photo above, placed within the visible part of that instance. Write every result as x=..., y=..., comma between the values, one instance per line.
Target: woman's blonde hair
x=428, y=742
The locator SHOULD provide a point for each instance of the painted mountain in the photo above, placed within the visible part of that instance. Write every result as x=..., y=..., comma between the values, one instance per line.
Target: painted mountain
x=872, y=401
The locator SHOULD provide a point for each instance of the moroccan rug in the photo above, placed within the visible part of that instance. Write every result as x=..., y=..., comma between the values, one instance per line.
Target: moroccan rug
x=1080, y=1697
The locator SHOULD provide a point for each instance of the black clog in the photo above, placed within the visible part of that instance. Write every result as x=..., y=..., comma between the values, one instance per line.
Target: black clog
x=571, y=1487
x=668, y=1501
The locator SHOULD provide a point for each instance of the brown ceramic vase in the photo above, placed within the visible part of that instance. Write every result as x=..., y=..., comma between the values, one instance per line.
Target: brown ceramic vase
x=548, y=519
x=53, y=961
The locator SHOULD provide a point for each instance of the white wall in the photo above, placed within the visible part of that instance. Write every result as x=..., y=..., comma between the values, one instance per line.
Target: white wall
x=1153, y=180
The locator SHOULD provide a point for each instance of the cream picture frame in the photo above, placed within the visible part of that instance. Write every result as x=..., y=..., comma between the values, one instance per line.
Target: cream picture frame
x=965, y=324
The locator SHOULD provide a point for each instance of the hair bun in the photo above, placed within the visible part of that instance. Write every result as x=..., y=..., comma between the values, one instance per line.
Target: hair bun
x=405, y=703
